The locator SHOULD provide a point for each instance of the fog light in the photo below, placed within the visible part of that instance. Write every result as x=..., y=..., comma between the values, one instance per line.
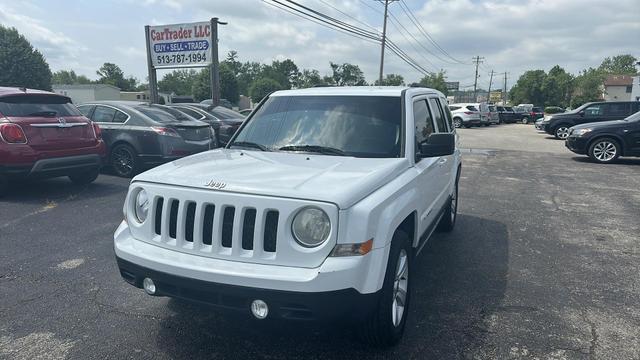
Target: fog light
x=149, y=286
x=259, y=309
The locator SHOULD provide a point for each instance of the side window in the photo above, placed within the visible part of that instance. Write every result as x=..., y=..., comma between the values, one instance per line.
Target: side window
x=447, y=114
x=85, y=110
x=423, y=122
x=120, y=117
x=594, y=110
x=618, y=109
x=103, y=114
x=438, y=115
x=190, y=112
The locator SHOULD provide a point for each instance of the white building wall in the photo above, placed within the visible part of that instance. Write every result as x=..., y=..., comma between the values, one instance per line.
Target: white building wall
x=635, y=89
x=107, y=93
x=617, y=93
x=78, y=96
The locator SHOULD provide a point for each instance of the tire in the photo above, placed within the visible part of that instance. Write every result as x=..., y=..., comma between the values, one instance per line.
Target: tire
x=457, y=123
x=525, y=120
x=383, y=328
x=561, y=131
x=124, y=161
x=448, y=220
x=84, y=178
x=604, y=150
x=487, y=124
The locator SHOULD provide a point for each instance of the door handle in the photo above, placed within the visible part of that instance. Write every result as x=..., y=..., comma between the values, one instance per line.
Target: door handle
x=442, y=161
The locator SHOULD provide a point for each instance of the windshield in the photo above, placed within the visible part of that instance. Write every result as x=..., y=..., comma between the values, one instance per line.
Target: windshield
x=37, y=105
x=162, y=114
x=634, y=117
x=360, y=126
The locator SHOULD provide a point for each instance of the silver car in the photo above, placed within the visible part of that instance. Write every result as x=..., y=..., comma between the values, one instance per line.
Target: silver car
x=466, y=115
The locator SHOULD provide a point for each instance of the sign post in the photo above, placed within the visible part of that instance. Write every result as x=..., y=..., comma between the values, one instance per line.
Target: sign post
x=182, y=46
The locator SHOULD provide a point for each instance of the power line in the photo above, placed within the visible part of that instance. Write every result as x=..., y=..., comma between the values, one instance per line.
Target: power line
x=416, y=22
x=397, y=24
x=349, y=16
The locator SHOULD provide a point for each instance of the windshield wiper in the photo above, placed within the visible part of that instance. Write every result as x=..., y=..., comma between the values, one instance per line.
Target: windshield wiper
x=43, y=113
x=314, y=148
x=249, y=144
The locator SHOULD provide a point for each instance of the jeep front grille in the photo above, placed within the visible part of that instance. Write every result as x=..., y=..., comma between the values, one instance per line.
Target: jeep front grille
x=217, y=232
x=227, y=225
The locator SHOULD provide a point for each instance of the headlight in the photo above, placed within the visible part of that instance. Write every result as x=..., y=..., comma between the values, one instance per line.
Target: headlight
x=311, y=227
x=141, y=206
x=580, y=132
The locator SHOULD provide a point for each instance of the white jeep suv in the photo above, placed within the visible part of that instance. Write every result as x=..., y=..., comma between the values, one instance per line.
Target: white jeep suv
x=316, y=209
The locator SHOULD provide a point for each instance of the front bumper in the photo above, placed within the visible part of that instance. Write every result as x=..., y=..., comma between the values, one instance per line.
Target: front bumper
x=346, y=304
x=577, y=144
x=346, y=282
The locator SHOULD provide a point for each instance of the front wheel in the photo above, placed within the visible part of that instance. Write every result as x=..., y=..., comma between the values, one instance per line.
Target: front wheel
x=385, y=325
x=562, y=132
x=525, y=120
x=457, y=122
x=84, y=178
x=604, y=150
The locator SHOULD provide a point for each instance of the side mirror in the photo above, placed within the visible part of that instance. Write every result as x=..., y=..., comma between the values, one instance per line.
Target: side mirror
x=438, y=145
x=581, y=113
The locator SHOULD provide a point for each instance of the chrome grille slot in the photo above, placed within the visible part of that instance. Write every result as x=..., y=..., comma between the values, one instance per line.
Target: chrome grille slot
x=173, y=219
x=207, y=224
x=248, y=229
x=227, y=226
x=190, y=222
x=271, y=231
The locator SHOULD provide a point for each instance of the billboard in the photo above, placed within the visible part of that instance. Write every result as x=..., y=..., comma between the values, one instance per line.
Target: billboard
x=180, y=45
x=495, y=96
x=452, y=85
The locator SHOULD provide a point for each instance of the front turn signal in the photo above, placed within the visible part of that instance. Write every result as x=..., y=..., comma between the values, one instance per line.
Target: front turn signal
x=352, y=249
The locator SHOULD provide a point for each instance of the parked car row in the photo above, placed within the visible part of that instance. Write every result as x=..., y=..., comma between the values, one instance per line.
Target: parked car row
x=602, y=130
x=43, y=134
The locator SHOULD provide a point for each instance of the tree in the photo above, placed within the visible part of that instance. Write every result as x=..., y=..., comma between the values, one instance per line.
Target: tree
x=20, y=64
x=528, y=88
x=588, y=87
x=201, y=88
x=179, y=82
x=557, y=87
x=112, y=74
x=309, y=78
x=435, y=81
x=347, y=75
x=619, y=65
x=263, y=87
x=391, y=80
x=249, y=72
x=69, y=77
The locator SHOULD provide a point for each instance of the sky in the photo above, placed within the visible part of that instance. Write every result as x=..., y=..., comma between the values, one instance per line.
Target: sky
x=511, y=35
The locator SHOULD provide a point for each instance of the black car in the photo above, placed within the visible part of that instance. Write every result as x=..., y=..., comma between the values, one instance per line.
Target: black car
x=605, y=141
x=558, y=124
x=223, y=120
x=506, y=114
x=140, y=135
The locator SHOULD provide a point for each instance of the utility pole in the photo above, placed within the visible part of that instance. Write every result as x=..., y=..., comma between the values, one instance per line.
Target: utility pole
x=214, y=71
x=153, y=79
x=490, y=81
x=504, y=93
x=477, y=60
x=384, y=38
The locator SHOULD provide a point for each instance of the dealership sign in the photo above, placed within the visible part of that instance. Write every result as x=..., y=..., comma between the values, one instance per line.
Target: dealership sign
x=180, y=45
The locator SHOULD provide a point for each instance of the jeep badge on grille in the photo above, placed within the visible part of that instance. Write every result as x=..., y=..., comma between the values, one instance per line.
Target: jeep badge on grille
x=215, y=184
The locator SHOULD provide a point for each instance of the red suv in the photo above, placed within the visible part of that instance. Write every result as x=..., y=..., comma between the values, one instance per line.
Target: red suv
x=43, y=135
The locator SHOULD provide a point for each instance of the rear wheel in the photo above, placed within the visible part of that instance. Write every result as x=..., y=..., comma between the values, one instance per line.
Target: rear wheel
x=124, y=160
x=448, y=220
x=562, y=132
x=525, y=120
x=604, y=150
x=457, y=122
x=84, y=178
x=385, y=325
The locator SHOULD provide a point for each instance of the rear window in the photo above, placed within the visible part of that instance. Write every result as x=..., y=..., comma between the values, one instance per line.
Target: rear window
x=471, y=108
x=37, y=105
x=536, y=109
x=453, y=107
x=224, y=113
x=162, y=114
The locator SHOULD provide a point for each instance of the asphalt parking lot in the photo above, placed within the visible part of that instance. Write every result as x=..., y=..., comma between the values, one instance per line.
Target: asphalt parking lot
x=544, y=263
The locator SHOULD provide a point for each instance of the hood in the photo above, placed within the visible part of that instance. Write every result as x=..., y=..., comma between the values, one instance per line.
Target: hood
x=600, y=124
x=336, y=179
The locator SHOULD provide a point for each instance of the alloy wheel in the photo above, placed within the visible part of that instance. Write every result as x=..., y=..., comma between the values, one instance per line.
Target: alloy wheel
x=562, y=132
x=400, y=287
x=123, y=161
x=457, y=123
x=605, y=151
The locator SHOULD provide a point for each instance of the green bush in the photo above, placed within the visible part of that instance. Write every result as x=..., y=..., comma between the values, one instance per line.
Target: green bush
x=553, y=110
